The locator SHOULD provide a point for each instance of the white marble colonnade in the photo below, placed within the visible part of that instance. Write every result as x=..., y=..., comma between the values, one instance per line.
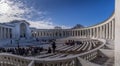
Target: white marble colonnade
x=105, y=31
x=5, y=33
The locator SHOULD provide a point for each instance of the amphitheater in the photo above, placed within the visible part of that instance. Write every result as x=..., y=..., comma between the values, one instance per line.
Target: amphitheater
x=94, y=45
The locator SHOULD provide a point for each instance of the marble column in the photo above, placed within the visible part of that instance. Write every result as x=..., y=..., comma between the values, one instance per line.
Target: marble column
x=76, y=33
x=113, y=28
x=80, y=33
x=110, y=33
x=107, y=31
x=61, y=33
x=97, y=32
x=3, y=29
x=72, y=33
x=104, y=31
x=86, y=33
x=0, y=33
x=9, y=33
x=90, y=33
x=100, y=34
x=94, y=32
x=5, y=33
x=66, y=33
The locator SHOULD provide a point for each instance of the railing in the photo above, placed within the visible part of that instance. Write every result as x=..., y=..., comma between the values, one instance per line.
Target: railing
x=15, y=60
x=31, y=63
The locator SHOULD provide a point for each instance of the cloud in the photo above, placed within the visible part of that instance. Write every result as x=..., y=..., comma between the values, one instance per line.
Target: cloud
x=10, y=10
x=13, y=10
x=42, y=25
x=45, y=25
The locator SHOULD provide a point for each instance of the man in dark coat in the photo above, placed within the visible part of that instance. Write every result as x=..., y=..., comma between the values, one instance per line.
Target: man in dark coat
x=53, y=46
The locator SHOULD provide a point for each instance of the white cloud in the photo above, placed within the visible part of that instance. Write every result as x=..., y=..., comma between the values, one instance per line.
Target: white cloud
x=11, y=10
x=42, y=25
x=45, y=25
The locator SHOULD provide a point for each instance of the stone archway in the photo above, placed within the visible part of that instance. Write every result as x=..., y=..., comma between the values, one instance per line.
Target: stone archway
x=23, y=29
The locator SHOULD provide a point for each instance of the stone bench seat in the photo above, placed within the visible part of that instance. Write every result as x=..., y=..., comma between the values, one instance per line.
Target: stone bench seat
x=67, y=48
x=86, y=46
x=56, y=56
x=74, y=48
x=64, y=46
x=45, y=55
x=90, y=47
x=94, y=45
x=81, y=47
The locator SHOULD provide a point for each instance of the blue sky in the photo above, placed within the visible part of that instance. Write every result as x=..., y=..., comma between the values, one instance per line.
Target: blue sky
x=67, y=12
x=71, y=12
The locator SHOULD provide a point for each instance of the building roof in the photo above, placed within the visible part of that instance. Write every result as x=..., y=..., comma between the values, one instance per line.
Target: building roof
x=16, y=21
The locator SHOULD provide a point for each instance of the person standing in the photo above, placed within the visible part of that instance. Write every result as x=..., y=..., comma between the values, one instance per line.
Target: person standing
x=53, y=46
x=10, y=41
x=49, y=50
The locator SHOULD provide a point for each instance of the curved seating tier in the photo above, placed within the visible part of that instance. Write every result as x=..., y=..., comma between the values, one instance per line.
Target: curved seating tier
x=65, y=55
x=79, y=46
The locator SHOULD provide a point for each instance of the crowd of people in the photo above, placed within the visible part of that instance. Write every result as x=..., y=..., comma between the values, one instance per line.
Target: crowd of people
x=72, y=42
x=25, y=51
x=28, y=51
x=53, y=44
x=45, y=40
x=31, y=51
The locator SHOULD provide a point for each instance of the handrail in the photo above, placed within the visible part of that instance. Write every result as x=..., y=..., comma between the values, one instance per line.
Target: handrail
x=31, y=63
